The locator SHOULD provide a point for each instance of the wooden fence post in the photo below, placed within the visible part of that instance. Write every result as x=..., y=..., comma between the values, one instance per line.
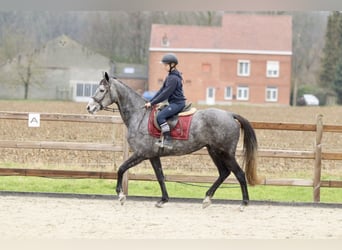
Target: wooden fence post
x=125, y=157
x=318, y=159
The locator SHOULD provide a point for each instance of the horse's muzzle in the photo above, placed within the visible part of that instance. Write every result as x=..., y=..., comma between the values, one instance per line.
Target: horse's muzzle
x=92, y=107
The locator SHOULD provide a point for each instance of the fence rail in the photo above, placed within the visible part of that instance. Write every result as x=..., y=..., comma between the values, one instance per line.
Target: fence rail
x=315, y=154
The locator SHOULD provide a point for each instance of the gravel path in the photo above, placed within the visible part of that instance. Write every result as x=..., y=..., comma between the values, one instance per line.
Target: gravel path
x=30, y=217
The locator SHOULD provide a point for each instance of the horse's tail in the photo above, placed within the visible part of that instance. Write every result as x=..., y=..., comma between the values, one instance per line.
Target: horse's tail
x=250, y=148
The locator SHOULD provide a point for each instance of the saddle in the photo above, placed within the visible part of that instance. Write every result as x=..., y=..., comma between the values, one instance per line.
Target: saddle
x=172, y=121
x=179, y=124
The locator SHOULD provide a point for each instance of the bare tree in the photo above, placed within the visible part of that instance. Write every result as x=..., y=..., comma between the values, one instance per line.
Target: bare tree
x=20, y=69
x=29, y=73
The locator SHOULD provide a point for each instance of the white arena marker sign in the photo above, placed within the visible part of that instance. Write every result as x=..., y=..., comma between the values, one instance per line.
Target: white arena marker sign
x=34, y=120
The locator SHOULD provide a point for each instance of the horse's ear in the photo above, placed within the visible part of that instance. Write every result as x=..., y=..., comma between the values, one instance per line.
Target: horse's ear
x=106, y=76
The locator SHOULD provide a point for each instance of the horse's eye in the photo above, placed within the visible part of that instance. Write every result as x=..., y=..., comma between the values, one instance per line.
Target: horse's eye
x=102, y=90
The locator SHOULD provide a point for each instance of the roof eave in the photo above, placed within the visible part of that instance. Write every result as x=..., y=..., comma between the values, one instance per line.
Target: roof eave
x=224, y=51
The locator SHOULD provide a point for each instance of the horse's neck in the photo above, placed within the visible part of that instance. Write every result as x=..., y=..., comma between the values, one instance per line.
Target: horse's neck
x=130, y=105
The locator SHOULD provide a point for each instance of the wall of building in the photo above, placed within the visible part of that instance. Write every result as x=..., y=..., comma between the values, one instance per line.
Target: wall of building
x=218, y=70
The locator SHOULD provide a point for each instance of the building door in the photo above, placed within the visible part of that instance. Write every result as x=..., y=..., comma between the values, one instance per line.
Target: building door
x=210, y=100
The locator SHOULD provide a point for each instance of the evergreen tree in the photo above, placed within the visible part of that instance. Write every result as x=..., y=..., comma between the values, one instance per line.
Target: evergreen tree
x=337, y=86
x=332, y=50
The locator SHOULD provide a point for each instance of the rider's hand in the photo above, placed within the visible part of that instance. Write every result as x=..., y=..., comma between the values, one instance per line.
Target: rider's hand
x=148, y=105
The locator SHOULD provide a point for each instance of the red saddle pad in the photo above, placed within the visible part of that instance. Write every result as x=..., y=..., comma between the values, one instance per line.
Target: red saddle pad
x=179, y=132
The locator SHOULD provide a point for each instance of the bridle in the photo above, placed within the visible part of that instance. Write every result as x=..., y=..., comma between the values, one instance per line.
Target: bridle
x=99, y=100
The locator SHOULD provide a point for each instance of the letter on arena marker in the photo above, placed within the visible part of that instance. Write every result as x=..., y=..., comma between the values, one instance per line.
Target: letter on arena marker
x=34, y=120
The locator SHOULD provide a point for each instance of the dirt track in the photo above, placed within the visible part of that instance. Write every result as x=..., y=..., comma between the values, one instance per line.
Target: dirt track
x=29, y=217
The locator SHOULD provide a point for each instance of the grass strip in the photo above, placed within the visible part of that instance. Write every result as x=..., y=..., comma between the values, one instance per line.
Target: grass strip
x=179, y=190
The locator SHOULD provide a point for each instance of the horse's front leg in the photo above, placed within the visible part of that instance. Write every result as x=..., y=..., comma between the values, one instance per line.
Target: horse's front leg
x=130, y=162
x=158, y=170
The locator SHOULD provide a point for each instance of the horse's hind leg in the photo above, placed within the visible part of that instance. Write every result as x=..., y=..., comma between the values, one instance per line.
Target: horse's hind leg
x=218, y=159
x=158, y=170
x=240, y=176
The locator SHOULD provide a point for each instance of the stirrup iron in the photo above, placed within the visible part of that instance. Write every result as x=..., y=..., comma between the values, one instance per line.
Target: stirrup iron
x=161, y=143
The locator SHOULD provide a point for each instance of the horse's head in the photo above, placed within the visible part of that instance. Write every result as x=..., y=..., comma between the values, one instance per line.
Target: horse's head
x=102, y=97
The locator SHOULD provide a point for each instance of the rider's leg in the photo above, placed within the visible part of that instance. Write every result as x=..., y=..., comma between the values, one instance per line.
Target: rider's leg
x=164, y=114
x=165, y=129
x=167, y=140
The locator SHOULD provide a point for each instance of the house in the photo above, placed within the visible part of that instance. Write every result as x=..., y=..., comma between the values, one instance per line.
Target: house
x=66, y=70
x=245, y=60
x=62, y=69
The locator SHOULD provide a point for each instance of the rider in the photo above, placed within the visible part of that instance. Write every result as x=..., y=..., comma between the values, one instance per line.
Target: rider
x=172, y=91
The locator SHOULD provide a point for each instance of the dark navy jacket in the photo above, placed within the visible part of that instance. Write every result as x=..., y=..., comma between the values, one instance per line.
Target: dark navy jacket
x=172, y=90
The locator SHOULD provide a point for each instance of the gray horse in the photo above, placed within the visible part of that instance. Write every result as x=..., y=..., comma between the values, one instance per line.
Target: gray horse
x=215, y=129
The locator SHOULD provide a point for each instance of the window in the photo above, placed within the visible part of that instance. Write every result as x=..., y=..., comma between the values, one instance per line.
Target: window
x=165, y=41
x=211, y=92
x=79, y=89
x=271, y=94
x=228, y=93
x=85, y=89
x=242, y=93
x=129, y=70
x=94, y=88
x=206, y=67
x=243, y=68
x=272, y=69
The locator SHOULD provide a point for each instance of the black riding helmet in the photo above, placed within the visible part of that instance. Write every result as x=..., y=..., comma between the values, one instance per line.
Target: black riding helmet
x=170, y=59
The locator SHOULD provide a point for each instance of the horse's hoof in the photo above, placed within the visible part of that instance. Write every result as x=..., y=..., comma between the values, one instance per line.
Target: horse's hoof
x=160, y=203
x=206, y=202
x=122, y=198
x=243, y=206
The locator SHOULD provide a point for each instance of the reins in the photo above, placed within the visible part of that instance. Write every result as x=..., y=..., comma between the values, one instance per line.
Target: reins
x=110, y=109
x=116, y=109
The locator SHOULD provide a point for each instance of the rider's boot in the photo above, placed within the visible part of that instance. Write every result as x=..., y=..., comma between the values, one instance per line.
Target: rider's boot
x=166, y=140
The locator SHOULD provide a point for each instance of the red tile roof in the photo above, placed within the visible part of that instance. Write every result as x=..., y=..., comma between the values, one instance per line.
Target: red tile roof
x=238, y=32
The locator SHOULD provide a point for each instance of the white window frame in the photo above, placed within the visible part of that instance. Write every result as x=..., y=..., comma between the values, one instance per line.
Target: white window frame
x=242, y=93
x=271, y=94
x=272, y=69
x=79, y=92
x=228, y=95
x=86, y=92
x=210, y=95
x=243, y=68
